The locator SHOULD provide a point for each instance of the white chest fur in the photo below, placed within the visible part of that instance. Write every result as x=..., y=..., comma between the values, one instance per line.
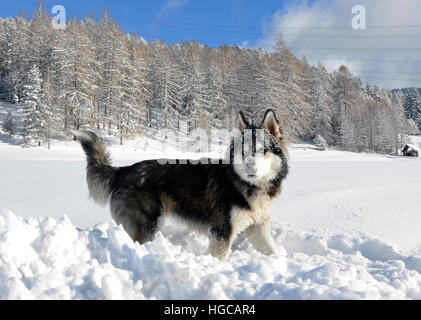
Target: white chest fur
x=259, y=213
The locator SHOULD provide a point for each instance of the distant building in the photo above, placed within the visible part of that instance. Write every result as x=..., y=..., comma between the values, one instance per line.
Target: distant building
x=410, y=151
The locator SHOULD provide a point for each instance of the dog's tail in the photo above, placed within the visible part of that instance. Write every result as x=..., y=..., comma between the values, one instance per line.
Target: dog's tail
x=99, y=172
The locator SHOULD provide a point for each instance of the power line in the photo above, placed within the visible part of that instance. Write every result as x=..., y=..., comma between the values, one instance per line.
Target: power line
x=364, y=60
x=230, y=31
x=356, y=37
x=304, y=35
x=221, y=31
x=389, y=72
x=178, y=23
x=396, y=26
x=392, y=79
x=356, y=49
x=350, y=27
x=239, y=31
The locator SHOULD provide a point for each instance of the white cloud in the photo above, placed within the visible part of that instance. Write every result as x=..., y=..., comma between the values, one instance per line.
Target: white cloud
x=167, y=9
x=325, y=25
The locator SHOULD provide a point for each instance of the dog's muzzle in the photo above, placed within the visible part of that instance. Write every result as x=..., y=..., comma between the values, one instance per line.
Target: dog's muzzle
x=250, y=169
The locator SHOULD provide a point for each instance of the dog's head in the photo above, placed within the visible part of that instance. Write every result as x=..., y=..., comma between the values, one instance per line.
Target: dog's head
x=259, y=151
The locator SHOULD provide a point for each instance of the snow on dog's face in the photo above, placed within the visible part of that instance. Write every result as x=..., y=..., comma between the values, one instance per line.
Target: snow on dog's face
x=260, y=157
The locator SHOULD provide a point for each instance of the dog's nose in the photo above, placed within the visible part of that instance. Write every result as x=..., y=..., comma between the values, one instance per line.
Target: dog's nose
x=250, y=161
x=251, y=169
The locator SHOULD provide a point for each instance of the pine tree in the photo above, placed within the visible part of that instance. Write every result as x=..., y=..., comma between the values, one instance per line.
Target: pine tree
x=412, y=105
x=8, y=124
x=35, y=112
x=320, y=143
x=13, y=58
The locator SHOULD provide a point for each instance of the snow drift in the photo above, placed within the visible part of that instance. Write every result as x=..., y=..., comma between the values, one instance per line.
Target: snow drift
x=44, y=258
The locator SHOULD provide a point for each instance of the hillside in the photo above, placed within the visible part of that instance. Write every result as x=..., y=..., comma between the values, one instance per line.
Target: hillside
x=94, y=75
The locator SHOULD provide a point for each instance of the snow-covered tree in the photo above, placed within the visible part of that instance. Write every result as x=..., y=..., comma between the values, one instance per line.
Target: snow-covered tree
x=320, y=143
x=8, y=124
x=14, y=46
x=134, y=89
x=288, y=96
x=348, y=108
x=35, y=112
x=322, y=103
x=413, y=127
x=94, y=75
x=412, y=105
x=166, y=103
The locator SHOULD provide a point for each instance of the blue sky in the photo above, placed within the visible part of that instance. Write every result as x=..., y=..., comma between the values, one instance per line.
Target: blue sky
x=210, y=22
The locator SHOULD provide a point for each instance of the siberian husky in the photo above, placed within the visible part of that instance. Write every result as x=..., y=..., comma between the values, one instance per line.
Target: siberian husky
x=223, y=199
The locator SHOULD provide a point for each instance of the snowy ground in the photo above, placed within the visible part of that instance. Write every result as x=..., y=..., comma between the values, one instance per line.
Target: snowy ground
x=347, y=226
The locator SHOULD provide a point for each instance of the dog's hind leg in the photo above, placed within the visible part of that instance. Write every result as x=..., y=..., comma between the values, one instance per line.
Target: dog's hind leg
x=138, y=211
x=261, y=238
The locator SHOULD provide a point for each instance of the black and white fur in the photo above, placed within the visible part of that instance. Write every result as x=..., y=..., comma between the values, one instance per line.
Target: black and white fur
x=221, y=199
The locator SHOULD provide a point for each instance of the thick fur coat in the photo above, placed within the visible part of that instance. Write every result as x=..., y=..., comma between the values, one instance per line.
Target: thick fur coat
x=221, y=200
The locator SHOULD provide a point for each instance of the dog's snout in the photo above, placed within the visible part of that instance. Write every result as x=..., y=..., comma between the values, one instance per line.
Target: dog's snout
x=250, y=168
x=250, y=161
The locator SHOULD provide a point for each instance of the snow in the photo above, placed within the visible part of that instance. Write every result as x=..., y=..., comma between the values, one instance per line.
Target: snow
x=346, y=224
x=342, y=192
x=44, y=258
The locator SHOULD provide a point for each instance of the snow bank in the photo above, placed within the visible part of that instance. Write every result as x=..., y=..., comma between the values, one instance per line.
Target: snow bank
x=44, y=258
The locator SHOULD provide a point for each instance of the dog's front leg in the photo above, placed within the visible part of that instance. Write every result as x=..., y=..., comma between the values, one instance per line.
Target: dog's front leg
x=220, y=243
x=260, y=236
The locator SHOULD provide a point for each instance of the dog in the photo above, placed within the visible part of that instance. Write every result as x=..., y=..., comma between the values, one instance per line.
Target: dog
x=221, y=199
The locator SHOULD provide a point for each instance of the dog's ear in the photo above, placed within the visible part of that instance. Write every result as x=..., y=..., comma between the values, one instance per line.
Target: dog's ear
x=271, y=124
x=241, y=123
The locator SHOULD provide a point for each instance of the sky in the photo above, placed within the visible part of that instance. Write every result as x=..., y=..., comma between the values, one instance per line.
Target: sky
x=387, y=52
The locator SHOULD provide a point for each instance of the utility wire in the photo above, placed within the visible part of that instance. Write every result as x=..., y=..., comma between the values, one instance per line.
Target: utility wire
x=216, y=26
x=355, y=49
x=364, y=60
x=286, y=34
x=356, y=37
x=389, y=72
x=391, y=79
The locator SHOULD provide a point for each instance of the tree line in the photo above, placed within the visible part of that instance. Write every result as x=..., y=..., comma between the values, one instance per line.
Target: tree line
x=93, y=75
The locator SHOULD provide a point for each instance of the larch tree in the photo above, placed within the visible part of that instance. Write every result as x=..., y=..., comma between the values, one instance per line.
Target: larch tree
x=94, y=75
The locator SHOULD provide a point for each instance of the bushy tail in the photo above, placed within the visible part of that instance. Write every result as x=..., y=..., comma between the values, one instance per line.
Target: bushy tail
x=99, y=172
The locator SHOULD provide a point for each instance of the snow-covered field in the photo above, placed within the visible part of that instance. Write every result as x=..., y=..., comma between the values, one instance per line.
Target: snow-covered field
x=347, y=225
